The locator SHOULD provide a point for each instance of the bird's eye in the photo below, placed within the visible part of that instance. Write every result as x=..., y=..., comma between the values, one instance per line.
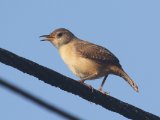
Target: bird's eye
x=59, y=35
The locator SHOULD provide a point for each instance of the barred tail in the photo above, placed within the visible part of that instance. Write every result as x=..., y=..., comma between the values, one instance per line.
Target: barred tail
x=119, y=71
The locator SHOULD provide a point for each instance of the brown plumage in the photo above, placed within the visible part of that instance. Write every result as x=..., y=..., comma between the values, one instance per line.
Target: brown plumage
x=97, y=53
x=87, y=60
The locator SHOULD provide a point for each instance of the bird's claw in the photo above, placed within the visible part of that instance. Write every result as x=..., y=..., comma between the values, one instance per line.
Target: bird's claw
x=89, y=86
x=104, y=92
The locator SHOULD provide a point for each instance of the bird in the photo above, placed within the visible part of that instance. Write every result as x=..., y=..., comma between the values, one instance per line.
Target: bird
x=87, y=60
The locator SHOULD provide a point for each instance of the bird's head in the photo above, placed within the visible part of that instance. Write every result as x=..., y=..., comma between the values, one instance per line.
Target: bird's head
x=59, y=37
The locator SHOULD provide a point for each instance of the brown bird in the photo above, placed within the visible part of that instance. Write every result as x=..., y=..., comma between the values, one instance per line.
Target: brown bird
x=87, y=60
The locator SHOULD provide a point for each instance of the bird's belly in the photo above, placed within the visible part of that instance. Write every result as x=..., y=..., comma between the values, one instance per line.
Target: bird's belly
x=81, y=67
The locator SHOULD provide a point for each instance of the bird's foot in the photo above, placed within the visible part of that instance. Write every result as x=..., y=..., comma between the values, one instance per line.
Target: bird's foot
x=82, y=82
x=104, y=92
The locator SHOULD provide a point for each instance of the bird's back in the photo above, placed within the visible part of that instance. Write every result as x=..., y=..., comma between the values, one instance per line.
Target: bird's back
x=96, y=53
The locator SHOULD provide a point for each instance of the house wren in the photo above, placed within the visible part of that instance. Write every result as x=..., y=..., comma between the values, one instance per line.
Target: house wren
x=86, y=60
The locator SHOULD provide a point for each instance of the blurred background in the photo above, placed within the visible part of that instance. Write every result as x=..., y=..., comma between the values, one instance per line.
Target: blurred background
x=130, y=29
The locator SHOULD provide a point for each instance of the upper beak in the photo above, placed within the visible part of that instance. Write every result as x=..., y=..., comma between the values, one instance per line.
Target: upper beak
x=46, y=37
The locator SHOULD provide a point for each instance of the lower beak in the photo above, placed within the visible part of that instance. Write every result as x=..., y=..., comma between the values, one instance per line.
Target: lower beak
x=45, y=37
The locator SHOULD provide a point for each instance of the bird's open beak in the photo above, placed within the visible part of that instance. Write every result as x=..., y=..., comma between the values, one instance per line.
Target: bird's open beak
x=46, y=37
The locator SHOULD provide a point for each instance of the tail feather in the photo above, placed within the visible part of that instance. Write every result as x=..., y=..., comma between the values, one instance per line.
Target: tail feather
x=119, y=71
x=130, y=81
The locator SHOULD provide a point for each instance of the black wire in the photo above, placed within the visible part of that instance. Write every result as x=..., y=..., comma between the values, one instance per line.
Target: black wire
x=37, y=100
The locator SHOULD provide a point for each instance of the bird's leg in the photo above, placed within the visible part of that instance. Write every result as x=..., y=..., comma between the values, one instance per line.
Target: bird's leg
x=100, y=88
x=86, y=78
x=82, y=82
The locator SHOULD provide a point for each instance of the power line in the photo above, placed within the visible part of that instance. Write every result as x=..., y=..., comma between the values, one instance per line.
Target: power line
x=36, y=100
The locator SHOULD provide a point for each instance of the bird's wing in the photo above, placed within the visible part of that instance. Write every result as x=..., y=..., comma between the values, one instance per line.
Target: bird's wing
x=97, y=53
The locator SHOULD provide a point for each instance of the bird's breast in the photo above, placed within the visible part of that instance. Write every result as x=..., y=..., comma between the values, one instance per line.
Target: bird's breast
x=80, y=66
x=68, y=54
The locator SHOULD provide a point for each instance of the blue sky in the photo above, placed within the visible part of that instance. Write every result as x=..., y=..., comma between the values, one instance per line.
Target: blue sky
x=130, y=29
